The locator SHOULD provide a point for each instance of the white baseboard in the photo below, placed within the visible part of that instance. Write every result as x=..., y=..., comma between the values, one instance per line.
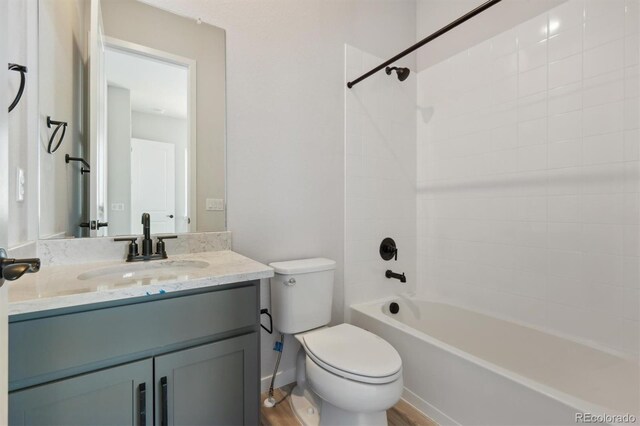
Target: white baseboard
x=427, y=409
x=282, y=378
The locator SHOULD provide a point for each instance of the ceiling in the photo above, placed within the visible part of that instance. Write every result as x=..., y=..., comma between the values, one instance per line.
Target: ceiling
x=156, y=87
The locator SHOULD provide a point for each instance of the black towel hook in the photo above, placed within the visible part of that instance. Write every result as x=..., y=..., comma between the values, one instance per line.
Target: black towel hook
x=68, y=158
x=22, y=70
x=58, y=124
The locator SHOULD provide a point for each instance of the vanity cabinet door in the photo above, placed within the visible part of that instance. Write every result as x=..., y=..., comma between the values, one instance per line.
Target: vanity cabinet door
x=213, y=384
x=115, y=396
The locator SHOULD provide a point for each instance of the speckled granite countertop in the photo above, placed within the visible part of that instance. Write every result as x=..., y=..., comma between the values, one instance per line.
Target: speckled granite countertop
x=56, y=287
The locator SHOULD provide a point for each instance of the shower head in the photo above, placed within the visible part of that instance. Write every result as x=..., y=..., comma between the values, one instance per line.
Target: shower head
x=403, y=73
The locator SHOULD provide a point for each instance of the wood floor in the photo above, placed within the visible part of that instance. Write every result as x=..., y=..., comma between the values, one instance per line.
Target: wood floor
x=401, y=414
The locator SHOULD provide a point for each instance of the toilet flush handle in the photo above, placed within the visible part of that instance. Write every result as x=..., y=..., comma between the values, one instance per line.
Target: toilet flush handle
x=292, y=281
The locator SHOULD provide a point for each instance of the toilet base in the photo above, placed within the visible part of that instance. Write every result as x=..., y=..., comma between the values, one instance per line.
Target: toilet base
x=306, y=406
x=310, y=410
x=334, y=416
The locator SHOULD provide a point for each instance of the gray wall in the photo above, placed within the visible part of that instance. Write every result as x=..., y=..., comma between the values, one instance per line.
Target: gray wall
x=138, y=23
x=119, y=159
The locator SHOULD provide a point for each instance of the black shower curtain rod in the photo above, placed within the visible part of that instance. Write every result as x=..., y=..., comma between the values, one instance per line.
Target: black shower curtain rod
x=418, y=45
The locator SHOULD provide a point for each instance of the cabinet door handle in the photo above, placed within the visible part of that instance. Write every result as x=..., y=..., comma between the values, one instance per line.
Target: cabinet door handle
x=142, y=404
x=164, y=416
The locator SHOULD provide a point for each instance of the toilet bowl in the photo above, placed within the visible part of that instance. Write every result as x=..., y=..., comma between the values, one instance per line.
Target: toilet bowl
x=345, y=375
x=348, y=375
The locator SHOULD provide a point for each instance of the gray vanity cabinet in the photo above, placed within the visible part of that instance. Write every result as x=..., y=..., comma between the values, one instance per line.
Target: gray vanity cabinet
x=184, y=358
x=212, y=384
x=115, y=396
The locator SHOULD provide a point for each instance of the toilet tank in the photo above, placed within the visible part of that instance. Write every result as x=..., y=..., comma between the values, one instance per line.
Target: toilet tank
x=302, y=294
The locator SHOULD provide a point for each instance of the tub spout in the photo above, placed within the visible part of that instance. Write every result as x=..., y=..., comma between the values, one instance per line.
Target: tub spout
x=391, y=274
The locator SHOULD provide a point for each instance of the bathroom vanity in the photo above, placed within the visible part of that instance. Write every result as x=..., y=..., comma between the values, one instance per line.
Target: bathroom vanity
x=178, y=351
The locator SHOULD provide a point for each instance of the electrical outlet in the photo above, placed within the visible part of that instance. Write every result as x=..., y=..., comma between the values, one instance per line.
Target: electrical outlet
x=117, y=207
x=20, y=185
x=214, y=204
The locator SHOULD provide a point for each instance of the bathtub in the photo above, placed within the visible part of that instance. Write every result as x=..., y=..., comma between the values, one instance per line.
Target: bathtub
x=464, y=367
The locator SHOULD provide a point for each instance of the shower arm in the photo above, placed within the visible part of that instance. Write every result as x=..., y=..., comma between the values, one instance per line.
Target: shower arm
x=418, y=45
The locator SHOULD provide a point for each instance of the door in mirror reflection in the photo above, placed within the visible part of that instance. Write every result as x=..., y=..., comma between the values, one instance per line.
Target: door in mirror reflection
x=149, y=163
x=153, y=166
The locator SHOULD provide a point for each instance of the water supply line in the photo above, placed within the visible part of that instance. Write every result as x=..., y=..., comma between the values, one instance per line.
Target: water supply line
x=270, y=402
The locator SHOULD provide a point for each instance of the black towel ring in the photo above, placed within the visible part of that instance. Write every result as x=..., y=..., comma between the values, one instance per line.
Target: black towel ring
x=22, y=70
x=58, y=124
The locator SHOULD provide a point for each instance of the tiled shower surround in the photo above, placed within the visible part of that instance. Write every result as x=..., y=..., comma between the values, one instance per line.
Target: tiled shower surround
x=528, y=175
x=380, y=180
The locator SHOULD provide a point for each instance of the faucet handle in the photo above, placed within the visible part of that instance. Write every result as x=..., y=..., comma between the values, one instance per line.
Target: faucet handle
x=133, y=246
x=160, y=247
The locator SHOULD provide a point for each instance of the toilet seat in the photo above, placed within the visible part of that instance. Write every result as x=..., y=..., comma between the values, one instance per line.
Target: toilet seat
x=353, y=353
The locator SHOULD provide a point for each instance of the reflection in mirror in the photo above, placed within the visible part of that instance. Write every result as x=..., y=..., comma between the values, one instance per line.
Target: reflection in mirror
x=149, y=149
x=151, y=144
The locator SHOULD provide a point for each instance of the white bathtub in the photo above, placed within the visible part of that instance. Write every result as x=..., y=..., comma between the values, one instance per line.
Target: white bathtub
x=463, y=367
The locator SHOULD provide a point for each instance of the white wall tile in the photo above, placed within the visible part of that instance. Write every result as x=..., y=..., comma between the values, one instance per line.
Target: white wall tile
x=607, y=118
x=537, y=205
x=595, y=9
x=604, y=88
x=533, y=31
x=632, y=16
x=532, y=107
x=566, y=17
x=604, y=28
x=631, y=113
x=381, y=133
x=607, y=148
x=631, y=50
x=565, y=44
x=565, y=236
x=606, y=58
x=532, y=132
x=632, y=81
x=565, y=126
x=565, y=154
x=565, y=71
x=564, y=208
x=599, y=238
x=565, y=99
x=532, y=56
x=532, y=157
x=532, y=81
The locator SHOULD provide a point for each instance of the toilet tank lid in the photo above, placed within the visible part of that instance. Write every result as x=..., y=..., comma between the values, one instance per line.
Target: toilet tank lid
x=303, y=266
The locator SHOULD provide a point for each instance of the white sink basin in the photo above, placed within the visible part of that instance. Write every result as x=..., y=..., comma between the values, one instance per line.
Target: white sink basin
x=145, y=272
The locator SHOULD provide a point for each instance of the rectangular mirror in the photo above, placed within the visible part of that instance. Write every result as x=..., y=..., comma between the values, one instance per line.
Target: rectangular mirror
x=132, y=115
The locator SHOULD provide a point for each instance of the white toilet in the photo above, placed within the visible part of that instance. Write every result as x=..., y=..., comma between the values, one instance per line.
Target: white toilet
x=345, y=375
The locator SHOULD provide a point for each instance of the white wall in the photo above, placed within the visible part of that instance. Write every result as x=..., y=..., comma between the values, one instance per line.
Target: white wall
x=380, y=148
x=528, y=174
x=23, y=143
x=285, y=122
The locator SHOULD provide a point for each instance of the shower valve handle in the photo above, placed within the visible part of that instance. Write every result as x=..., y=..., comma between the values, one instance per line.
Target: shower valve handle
x=388, y=249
